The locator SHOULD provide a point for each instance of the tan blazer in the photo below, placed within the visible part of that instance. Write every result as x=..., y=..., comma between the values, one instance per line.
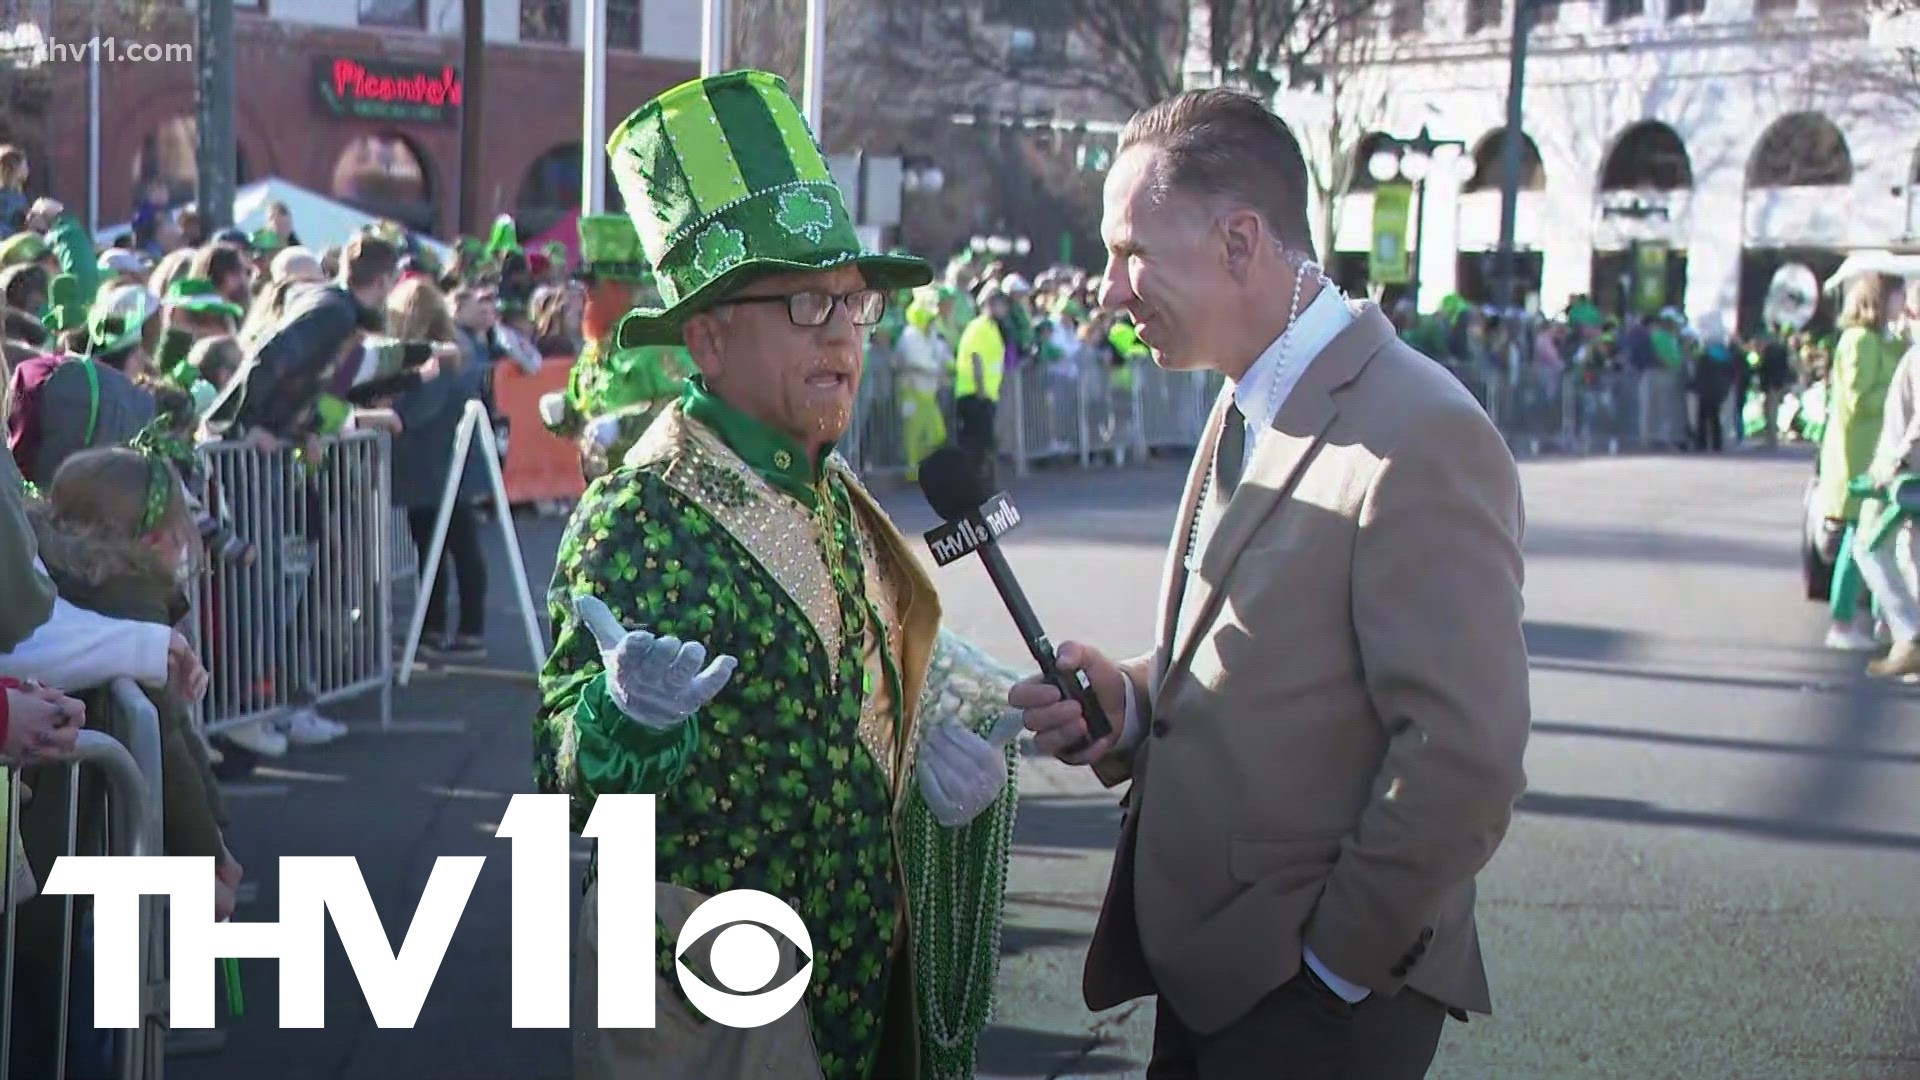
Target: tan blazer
x=1338, y=711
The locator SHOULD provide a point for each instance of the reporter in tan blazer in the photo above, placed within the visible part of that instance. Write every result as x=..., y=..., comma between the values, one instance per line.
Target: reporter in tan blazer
x=1325, y=745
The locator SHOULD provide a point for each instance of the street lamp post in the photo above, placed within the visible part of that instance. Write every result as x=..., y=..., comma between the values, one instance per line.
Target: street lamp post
x=1412, y=159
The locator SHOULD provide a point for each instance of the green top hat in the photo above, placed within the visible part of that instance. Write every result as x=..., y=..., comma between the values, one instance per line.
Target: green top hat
x=66, y=307
x=610, y=248
x=725, y=182
x=199, y=296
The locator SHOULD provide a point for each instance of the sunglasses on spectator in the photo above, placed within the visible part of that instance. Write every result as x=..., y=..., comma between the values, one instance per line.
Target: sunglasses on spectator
x=814, y=308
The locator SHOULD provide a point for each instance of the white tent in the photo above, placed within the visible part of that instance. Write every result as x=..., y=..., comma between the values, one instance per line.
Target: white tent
x=320, y=222
x=1873, y=262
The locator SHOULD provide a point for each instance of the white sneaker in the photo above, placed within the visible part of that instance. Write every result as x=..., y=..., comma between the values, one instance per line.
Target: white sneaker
x=260, y=738
x=305, y=727
x=1851, y=639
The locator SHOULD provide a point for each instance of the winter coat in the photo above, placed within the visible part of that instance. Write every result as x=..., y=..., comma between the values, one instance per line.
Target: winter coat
x=29, y=592
x=423, y=451
x=118, y=579
x=63, y=405
x=278, y=387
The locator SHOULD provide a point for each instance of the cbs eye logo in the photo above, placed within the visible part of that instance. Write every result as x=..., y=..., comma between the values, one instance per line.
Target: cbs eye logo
x=744, y=958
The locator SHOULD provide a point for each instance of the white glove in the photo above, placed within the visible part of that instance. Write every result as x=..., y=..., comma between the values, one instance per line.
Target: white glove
x=960, y=773
x=657, y=682
x=553, y=408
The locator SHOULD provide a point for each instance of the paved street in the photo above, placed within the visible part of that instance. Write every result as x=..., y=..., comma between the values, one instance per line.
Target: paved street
x=1713, y=875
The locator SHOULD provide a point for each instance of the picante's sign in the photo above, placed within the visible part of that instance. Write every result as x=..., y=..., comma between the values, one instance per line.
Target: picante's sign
x=390, y=90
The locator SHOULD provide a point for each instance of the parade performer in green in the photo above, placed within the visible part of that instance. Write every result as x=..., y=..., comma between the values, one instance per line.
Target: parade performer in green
x=612, y=395
x=840, y=751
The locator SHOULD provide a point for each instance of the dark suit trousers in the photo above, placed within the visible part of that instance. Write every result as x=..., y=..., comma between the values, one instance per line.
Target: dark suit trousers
x=1304, y=1031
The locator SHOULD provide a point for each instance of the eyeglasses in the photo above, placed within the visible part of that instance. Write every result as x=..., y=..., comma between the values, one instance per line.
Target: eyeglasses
x=865, y=306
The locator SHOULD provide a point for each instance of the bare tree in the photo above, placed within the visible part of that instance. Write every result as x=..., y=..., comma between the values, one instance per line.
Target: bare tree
x=1123, y=54
x=1128, y=53
x=1332, y=108
x=1271, y=45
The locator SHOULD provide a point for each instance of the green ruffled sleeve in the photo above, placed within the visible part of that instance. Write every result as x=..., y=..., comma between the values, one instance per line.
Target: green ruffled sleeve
x=621, y=546
x=618, y=756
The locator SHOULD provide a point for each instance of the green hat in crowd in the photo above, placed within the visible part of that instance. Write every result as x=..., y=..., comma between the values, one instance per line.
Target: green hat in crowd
x=118, y=319
x=66, y=307
x=609, y=248
x=725, y=182
x=22, y=248
x=267, y=240
x=505, y=237
x=198, y=296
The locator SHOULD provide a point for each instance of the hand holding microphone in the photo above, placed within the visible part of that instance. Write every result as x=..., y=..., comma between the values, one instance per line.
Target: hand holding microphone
x=1057, y=721
x=975, y=522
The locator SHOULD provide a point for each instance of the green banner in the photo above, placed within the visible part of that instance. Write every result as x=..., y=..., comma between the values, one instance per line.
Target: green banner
x=1650, y=277
x=1387, y=259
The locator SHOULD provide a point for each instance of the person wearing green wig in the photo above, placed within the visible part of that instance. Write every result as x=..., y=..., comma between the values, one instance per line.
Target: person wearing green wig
x=741, y=632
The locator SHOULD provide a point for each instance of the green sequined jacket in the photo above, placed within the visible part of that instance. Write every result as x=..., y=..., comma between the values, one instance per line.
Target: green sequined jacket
x=797, y=779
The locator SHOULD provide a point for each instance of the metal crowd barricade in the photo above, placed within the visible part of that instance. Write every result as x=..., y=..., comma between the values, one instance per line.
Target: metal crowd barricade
x=308, y=618
x=133, y=816
x=1047, y=414
x=1663, y=409
x=1603, y=411
x=1172, y=405
x=1112, y=415
x=1537, y=419
x=1054, y=415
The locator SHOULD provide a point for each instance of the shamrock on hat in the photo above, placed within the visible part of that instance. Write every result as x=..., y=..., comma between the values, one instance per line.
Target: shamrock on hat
x=724, y=182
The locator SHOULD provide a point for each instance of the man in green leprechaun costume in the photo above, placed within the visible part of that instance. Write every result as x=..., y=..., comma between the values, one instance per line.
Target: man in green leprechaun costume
x=841, y=752
x=612, y=395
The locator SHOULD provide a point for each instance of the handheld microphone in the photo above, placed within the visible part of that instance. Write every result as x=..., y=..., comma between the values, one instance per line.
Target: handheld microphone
x=975, y=522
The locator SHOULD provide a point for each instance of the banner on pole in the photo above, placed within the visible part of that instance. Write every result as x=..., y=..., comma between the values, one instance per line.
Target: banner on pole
x=1650, y=277
x=1387, y=259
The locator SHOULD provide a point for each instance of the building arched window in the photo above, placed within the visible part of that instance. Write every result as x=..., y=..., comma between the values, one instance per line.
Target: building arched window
x=1649, y=156
x=1801, y=150
x=1489, y=157
x=550, y=190
x=387, y=176
x=166, y=168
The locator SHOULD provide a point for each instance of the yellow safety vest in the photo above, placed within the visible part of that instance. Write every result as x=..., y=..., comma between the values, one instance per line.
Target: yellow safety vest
x=981, y=338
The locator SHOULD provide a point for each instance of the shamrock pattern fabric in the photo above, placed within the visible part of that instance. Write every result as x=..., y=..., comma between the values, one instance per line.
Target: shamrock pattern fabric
x=773, y=789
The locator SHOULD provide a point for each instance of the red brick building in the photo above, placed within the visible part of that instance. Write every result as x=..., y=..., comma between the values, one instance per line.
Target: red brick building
x=367, y=115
